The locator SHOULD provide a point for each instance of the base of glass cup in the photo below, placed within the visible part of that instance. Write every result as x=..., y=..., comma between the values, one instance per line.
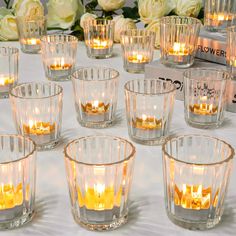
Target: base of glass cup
x=17, y=222
x=96, y=125
x=104, y=227
x=193, y=225
x=99, y=53
x=150, y=142
x=30, y=49
x=135, y=68
x=59, y=75
x=4, y=95
x=99, y=56
x=47, y=146
x=203, y=125
x=185, y=63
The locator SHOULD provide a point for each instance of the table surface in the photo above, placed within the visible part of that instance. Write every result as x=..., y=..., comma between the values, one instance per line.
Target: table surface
x=147, y=214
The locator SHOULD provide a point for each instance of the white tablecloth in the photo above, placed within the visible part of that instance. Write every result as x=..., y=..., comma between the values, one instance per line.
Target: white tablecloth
x=147, y=212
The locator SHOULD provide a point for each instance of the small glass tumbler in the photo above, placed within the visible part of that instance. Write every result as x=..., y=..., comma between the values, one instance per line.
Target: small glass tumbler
x=59, y=55
x=218, y=14
x=17, y=178
x=99, y=36
x=231, y=51
x=9, y=59
x=178, y=41
x=137, y=49
x=99, y=174
x=196, y=171
x=95, y=93
x=37, y=111
x=30, y=31
x=149, y=108
x=205, y=97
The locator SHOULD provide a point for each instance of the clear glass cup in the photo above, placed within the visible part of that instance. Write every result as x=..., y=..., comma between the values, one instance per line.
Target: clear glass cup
x=218, y=14
x=231, y=51
x=9, y=61
x=95, y=94
x=178, y=40
x=196, y=171
x=205, y=97
x=137, y=49
x=30, y=31
x=59, y=56
x=149, y=108
x=37, y=112
x=99, y=37
x=17, y=179
x=99, y=174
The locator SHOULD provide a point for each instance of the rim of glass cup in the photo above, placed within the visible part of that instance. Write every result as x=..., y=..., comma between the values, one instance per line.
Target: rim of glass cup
x=130, y=33
x=197, y=21
x=11, y=92
x=47, y=38
x=100, y=164
x=214, y=70
x=4, y=51
x=23, y=157
x=117, y=73
x=168, y=139
x=159, y=93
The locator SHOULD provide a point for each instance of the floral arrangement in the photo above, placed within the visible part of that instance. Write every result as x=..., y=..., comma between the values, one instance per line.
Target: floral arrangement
x=71, y=14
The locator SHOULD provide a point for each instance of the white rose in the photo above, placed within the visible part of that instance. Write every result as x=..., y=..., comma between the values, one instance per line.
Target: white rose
x=8, y=28
x=155, y=27
x=86, y=17
x=28, y=8
x=111, y=5
x=121, y=24
x=188, y=7
x=150, y=10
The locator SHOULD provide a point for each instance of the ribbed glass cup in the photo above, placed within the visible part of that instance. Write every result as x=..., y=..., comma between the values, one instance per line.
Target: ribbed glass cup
x=17, y=178
x=95, y=95
x=178, y=40
x=99, y=36
x=99, y=174
x=59, y=55
x=196, y=171
x=9, y=60
x=231, y=51
x=137, y=49
x=149, y=108
x=205, y=97
x=218, y=14
x=30, y=31
x=37, y=112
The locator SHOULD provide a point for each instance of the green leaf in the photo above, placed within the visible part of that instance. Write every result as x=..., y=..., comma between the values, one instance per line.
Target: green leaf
x=91, y=6
x=131, y=12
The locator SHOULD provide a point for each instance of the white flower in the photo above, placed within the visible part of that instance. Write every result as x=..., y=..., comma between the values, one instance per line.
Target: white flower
x=8, y=28
x=86, y=17
x=188, y=7
x=64, y=13
x=150, y=10
x=121, y=24
x=111, y=5
x=28, y=8
x=155, y=27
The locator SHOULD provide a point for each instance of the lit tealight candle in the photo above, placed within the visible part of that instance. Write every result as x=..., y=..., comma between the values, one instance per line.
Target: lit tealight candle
x=147, y=123
x=99, y=43
x=138, y=58
x=218, y=18
x=60, y=65
x=38, y=128
x=179, y=49
x=95, y=108
x=32, y=41
x=6, y=80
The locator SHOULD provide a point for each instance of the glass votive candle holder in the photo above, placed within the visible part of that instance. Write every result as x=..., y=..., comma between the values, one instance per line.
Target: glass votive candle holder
x=196, y=171
x=231, y=51
x=218, y=14
x=99, y=36
x=17, y=178
x=99, y=174
x=178, y=40
x=149, y=108
x=9, y=59
x=205, y=97
x=137, y=49
x=30, y=31
x=37, y=112
x=95, y=93
x=59, y=55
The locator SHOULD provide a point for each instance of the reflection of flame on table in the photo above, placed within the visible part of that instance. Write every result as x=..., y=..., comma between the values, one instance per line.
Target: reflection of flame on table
x=38, y=128
x=147, y=123
x=195, y=197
